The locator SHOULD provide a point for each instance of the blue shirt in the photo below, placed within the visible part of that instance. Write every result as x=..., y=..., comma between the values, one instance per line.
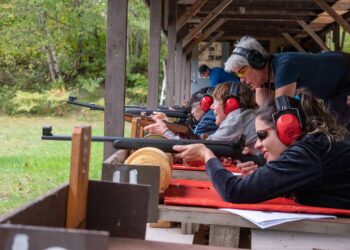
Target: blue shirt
x=206, y=124
x=219, y=75
x=319, y=72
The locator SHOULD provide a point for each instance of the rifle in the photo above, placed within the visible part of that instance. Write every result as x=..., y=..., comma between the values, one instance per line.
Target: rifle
x=180, y=112
x=219, y=148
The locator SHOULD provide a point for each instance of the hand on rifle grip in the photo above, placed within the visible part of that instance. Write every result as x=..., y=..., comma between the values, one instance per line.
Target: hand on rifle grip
x=247, y=167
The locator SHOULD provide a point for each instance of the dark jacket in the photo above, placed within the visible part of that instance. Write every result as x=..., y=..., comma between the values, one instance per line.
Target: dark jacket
x=316, y=172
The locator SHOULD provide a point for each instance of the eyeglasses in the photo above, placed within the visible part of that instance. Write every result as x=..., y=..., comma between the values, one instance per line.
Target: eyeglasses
x=242, y=72
x=262, y=134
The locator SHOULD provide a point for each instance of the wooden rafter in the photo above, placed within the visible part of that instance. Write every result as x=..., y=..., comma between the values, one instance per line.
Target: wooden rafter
x=331, y=12
x=313, y=34
x=213, y=39
x=205, y=35
x=292, y=41
x=189, y=13
x=205, y=22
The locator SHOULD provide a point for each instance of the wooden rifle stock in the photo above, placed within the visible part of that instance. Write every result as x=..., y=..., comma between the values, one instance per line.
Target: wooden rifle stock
x=177, y=129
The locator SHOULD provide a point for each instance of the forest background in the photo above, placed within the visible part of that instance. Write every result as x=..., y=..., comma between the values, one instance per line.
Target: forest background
x=52, y=49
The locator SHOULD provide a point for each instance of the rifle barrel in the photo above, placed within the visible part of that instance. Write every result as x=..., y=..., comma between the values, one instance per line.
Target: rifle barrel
x=219, y=148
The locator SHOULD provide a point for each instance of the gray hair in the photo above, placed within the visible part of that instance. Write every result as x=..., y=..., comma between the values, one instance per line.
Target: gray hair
x=237, y=61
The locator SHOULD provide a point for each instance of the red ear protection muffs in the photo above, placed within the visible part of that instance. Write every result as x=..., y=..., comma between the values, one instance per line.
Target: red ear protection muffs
x=206, y=102
x=231, y=101
x=254, y=57
x=287, y=121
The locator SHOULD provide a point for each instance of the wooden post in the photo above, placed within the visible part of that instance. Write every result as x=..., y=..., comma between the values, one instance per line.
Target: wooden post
x=79, y=177
x=170, y=84
x=154, y=51
x=313, y=34
x=117, y=13
x=178, y=72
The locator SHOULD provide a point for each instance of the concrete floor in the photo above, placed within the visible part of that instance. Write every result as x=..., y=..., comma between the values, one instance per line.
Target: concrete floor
x=168, y=235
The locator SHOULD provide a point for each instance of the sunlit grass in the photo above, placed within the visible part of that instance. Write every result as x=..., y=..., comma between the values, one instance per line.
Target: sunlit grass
x=29, y=166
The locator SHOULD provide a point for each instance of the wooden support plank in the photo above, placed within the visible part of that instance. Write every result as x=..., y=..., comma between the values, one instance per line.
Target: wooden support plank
x=313, y=34
x=336, y=37
x=205, y=35
x=205, y=22
x=79, y=177
x=331, y=12
x=195, y=7
x=170, y=86
x=154, y=53
x=292, y=41
x=115, y=70
x=203, y=48
x=187, y=81
x=178, y=72
x=225, y=236
x=183, y=79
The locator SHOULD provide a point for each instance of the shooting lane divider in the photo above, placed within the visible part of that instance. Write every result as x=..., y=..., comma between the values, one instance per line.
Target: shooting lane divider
x=79, y=177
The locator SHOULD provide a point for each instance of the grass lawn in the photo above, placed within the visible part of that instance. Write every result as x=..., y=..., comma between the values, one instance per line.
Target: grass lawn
x=29, y=166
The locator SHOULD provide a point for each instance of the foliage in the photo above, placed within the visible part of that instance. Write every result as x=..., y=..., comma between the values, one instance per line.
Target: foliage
x=51, y=101
x=48, y=42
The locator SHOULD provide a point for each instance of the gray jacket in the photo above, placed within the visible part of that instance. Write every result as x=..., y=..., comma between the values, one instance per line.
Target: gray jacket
x=238, y=122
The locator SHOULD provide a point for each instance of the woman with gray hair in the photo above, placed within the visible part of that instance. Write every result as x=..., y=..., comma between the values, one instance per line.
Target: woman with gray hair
x=326, y=75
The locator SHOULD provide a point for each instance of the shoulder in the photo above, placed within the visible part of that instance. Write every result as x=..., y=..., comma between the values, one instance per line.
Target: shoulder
x=315, y=143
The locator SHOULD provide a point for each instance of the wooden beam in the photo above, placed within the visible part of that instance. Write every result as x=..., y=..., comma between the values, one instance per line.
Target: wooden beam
x=178, y=72
x=213, y=39
x=205, y=35
x=195, y=7
x=336, y=37
x=331, y=12
x=117, y=13
x=166, y=15
x=313, y=34
x=292, y=41
x=154, y=53
x=79, y=177
x=206, y=21
x=170, y=85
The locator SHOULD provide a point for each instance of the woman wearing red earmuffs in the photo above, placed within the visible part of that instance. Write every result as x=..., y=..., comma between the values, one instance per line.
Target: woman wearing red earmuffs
x=233, y=106
x=306, y=156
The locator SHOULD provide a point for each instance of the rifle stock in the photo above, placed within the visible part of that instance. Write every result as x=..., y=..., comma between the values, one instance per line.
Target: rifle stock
x=219, y=148
x=178, y=129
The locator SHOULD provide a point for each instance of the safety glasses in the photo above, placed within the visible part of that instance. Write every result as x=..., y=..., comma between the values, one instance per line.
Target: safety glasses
x=262, y=134
x=242, y=72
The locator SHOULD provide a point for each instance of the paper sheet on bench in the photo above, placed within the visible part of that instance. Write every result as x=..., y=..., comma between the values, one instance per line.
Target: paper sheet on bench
x=265, y=219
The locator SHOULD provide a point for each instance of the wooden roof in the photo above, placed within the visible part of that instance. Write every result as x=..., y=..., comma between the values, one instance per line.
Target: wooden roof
x=235, y=18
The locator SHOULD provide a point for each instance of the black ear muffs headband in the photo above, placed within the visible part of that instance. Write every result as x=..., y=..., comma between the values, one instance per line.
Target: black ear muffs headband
x=287, y=120
x=254, y=57
x=231, y=101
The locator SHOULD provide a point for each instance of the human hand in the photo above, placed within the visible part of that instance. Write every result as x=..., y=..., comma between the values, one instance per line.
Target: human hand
x=193, y=152
x=157, y=128
x=247, y=167
x=159, y=116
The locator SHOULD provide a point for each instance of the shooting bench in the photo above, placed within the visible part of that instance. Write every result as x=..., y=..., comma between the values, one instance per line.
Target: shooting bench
x=84, y=214
x=225, y=227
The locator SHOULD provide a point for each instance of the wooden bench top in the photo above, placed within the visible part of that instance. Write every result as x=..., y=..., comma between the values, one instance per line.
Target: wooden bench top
x=133, y=244
x=215, y=216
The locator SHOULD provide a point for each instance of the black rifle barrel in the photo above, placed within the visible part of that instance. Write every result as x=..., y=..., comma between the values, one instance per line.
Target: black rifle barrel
x=181, y=113
x=219, y=148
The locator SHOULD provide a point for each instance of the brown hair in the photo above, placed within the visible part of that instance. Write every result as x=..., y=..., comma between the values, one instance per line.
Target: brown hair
x=316, y=118
x=246, y=96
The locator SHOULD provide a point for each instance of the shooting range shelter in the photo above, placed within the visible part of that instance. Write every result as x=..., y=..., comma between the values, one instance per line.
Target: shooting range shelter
x=300, y=25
